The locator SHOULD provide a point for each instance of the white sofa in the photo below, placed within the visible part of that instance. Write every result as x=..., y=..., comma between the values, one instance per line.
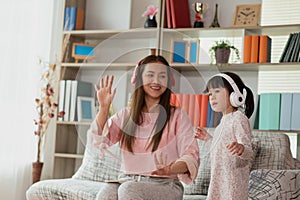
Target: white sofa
x=274, y=174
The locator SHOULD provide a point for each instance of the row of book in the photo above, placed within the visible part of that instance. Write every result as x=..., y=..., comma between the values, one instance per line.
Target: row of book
x=74, y=15
x=177, y=14
x=198, y=109
x=279, y=111
x=291, y=51
x=257, y=49
x=69, y=92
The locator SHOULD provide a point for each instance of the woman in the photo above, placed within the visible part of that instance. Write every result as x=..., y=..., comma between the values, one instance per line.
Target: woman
x=156, y=140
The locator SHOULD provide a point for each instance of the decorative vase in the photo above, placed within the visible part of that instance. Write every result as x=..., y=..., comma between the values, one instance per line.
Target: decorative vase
x=36, y=171
x=215, y=22
x=150, y=22
x=222, y=55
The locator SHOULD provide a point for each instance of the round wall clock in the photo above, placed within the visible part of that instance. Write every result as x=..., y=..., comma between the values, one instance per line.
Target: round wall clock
x=246, y=15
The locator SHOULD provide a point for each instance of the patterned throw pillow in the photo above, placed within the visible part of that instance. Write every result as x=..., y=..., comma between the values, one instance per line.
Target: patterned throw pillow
x=95, y=168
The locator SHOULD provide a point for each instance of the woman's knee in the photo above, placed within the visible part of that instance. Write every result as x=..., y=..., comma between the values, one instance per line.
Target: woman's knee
x=108, y=192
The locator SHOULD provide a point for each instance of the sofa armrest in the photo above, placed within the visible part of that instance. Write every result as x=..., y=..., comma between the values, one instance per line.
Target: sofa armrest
x=274, y=184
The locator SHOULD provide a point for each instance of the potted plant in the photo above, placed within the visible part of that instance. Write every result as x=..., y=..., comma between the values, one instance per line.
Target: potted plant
x=46, y=109
x=220, y=51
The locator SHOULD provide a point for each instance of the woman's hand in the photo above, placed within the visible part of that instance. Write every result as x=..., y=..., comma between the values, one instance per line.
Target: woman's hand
x=105, y=94
x=235, y=148
x=200, y=133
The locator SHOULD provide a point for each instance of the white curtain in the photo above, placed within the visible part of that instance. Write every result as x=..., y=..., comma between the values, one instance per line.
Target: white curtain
x=25, y=38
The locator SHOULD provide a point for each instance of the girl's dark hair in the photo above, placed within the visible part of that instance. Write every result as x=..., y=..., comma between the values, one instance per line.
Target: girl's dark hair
x=218, y=81
x=138, y=102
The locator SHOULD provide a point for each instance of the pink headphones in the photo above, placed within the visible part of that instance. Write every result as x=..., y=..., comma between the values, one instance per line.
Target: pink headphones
x=134, y=75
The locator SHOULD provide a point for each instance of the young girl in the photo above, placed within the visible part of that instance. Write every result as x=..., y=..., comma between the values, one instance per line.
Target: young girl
x=156, y=140
x=230, y=147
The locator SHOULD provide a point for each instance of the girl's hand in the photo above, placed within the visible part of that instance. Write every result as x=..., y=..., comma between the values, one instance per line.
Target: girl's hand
x=235, y=148
x=200, y=133
x=105, y=94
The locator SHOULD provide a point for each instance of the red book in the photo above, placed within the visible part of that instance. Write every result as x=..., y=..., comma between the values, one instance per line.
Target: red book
x=185, y=103
x=168, y=14
x=204, y=109
x=247, y=48
x=254, y=49
x=264, y=49
x=180, y=14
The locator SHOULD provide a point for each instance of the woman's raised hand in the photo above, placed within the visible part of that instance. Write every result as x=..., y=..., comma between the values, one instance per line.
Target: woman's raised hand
x=105, y=94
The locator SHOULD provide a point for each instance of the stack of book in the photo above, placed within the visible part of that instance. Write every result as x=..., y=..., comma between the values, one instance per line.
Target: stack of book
x=69, y=92
x=197, y=108
x=291, y=51
x=279, y=111
x=74, y=15
x=257, y=49
x=177, y=14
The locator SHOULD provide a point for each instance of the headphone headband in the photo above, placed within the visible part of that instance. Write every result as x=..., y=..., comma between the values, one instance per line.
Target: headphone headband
x=230, y=81
x=237, y=99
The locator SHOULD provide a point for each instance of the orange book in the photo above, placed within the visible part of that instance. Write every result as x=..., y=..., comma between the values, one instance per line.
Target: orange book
x=185, y=103
x=80, y=14
x=178, y=100
x=197, y=109
x=204, y=109
x=173, y=99
x=191, y=107
x=247, y=48
x=254, y=49
x=264, y=49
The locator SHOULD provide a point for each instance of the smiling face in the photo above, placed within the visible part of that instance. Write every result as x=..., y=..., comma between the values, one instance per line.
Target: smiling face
x=219, y=100
x=155, y=79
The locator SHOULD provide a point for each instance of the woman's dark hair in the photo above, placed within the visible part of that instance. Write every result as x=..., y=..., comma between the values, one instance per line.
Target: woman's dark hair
x=138, y=102
x=219, y=81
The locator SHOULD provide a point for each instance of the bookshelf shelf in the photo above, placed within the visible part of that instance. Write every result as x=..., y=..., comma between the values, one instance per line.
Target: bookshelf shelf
x=111, y=66
x=68, y=155
x=138, y=33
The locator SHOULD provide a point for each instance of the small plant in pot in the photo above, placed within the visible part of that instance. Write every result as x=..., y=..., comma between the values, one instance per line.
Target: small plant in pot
x=220, y=52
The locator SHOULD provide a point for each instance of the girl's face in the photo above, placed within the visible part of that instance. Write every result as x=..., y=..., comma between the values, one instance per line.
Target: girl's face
x=219, y=100
x=155, y=79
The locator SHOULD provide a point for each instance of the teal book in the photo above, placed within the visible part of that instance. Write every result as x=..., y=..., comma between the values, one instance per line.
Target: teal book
x=79, y=88
x=286, y=111
x=269, y=111
x=295, y=118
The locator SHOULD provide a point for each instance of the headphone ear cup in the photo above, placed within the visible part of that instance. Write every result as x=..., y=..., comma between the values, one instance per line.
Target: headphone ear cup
x=234, y=99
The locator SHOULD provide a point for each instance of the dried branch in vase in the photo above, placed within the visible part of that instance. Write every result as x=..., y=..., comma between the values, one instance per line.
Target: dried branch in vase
x=46, y=107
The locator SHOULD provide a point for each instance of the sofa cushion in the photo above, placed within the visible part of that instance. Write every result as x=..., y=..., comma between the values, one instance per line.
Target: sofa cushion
x=64, y=189
x=95, y=168
x=273, y=152
x=201, y=183
x=274, y=184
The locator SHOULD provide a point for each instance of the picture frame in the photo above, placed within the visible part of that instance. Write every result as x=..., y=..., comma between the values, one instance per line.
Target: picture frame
x=178, y=51
x=85, y=109
x=246, y=15
x=193, y=51
x=185, y=51
x=83, y=51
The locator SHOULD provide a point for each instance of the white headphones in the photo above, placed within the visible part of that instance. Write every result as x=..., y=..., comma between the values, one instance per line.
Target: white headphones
x=237, y=99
